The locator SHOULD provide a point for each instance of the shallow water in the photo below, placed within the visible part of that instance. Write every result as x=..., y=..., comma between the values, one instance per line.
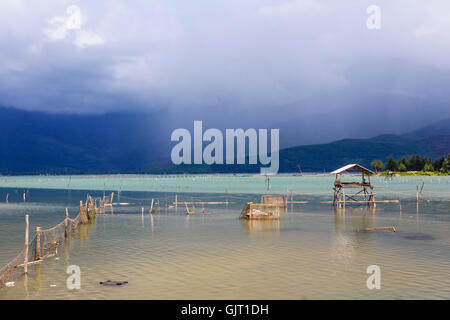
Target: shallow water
x=312, y=252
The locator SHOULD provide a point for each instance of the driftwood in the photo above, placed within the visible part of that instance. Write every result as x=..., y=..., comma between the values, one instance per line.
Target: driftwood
x=385, y=229
x=28, y=264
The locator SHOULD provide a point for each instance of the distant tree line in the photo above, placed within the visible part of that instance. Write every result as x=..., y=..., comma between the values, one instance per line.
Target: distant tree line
x=413, y=163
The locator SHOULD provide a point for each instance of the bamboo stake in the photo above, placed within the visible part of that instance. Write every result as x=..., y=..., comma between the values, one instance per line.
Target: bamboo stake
x=226, y=199
x=38, y=243
x=65, y=224
x=25, y=262
x=87, y=207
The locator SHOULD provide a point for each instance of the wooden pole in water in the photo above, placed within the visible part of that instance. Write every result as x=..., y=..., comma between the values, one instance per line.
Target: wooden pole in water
x=25, y=262
x=292, y=200
x=38, y=243
x=7, y=196
x=176, y=201
x=151, y=207
x=226, y=197
x=142, y=211
x=65, y=224
x=87, y=207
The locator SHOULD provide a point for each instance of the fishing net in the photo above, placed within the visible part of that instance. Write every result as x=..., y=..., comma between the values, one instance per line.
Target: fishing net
x=107, y=199
x=73, y=225
x=276, y=200
x=49, y=242
x=15, y=267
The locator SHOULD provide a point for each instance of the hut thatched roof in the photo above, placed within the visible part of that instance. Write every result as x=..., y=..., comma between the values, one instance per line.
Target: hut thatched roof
x=352, y=168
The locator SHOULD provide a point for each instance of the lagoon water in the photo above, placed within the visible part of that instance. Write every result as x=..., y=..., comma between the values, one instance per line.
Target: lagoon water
x=313, y=252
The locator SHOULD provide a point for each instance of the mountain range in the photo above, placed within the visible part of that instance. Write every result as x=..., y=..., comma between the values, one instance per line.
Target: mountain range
x=41, y=143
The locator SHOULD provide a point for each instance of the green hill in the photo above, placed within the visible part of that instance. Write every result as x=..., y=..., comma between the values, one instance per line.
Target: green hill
x=431, y=141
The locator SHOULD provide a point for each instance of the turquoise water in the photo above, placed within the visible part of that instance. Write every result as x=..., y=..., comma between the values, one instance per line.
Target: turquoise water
x=400, y=187
x=312, y=252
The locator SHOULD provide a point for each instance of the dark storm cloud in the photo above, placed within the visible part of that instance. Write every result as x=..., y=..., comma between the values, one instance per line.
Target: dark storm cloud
x=288, y=58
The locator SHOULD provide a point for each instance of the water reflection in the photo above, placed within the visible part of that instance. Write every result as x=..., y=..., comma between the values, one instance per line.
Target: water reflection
x=258, y=226
x=359, y=218
x=347, y=242
x=38, y=277
x=25, y=286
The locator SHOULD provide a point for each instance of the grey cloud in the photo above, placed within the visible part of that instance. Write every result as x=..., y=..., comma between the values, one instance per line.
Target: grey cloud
x=247, y=56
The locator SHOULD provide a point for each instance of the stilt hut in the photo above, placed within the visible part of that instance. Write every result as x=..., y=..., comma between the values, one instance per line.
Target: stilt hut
x=360, y=192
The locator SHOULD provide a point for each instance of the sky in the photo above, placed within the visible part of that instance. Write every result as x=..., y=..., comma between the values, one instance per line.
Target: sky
x=233, y=60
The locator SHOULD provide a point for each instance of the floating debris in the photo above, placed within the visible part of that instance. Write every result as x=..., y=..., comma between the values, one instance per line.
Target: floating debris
x=385, y=229
x=420, y=236
x=10, y=284
x=113, y=283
